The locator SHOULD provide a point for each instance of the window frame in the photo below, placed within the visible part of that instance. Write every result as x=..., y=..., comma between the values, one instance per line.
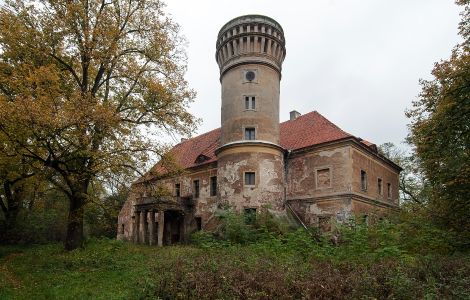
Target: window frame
x=196, y=188
x=245, y=131
x=389, y=190
x=198, y=220
x=213, y=189
x=245, y=178
x=380, y=186
x=178, y=189
x=363, y=181
x=250, y=101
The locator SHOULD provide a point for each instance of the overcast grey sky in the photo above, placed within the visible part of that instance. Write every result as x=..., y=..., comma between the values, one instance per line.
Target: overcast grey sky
x=357, y=62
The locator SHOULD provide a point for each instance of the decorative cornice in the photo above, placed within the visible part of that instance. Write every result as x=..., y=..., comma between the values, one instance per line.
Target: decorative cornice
x=245, y=143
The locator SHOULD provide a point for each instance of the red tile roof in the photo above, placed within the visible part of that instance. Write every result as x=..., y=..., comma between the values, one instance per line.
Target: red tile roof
x=307, y=130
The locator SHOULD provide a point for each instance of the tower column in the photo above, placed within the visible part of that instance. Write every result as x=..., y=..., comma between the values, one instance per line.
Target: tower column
x=136, y=231
x=152, y=228
x=250, y=160
x=143, y=227
x=161, y=224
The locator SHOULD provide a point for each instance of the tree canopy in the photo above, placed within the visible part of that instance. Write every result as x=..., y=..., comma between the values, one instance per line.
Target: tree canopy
x=440, y=133
x=80, y=81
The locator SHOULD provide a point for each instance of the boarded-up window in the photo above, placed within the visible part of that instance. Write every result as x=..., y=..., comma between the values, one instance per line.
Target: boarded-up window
x=323, y=178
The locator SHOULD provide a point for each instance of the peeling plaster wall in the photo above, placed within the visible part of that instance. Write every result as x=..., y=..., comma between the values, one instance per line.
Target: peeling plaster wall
x=302, y=179
x=125, y=218
x=341, y=197
x=336, y=197
x=269, y=177
x=375, y=169
x=204, y=206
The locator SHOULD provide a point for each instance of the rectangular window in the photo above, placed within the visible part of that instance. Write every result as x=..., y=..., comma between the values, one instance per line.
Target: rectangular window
x=379, y=186
x=177, y=190
x=389, y=190
x=250, y=178
x=213, y=185
x=199, y=223
x=250, y=102
x=324, y=223
x=250, y=134
x=196, y=188
x=363, y=180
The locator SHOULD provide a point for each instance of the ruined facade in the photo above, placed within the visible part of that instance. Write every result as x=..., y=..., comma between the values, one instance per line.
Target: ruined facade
x=306, y=167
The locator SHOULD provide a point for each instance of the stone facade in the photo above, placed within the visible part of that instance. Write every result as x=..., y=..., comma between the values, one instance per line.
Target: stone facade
x=306, y=167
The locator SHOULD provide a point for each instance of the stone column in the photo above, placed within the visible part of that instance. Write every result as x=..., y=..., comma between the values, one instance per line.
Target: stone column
x=136, y=230
x=182, y=229
x=161, y=223
x=143, y=227
x=152, y=228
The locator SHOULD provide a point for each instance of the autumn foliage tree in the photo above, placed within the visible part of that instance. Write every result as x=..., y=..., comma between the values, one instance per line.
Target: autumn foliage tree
x=440, y=133
x=83, y=83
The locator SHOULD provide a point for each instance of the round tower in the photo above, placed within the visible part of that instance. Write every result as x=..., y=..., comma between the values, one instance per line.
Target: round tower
x=250, y=51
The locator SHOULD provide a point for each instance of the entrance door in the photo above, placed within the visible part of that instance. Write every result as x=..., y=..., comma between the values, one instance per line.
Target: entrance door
x=173, y=227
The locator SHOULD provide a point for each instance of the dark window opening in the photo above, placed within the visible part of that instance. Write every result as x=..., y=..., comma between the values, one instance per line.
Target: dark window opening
x=265, y=50
x=379, y=186
x=365, y=220
x=213, y=185
x=177, y=190
x=196, y=188
x=324, y=223
x=201, y=158
x=250, y=134
x=389, y=190
x=199, y=223
x=250, y=178
x=250, y=215
x=122, y=228
x=363, y=180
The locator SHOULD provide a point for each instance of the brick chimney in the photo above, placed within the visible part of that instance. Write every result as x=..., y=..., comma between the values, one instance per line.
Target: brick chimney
x=294, y=115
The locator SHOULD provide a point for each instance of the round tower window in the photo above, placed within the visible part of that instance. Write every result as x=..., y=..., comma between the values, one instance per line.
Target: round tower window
x=250, y=75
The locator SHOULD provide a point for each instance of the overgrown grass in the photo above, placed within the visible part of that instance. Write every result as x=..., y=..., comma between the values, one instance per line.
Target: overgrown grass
x=261, y=261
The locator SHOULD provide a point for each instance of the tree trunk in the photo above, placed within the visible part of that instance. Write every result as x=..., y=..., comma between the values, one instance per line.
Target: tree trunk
x=74, y=238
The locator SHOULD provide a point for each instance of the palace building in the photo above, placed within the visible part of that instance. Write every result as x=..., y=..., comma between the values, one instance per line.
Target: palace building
x=306, y=167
